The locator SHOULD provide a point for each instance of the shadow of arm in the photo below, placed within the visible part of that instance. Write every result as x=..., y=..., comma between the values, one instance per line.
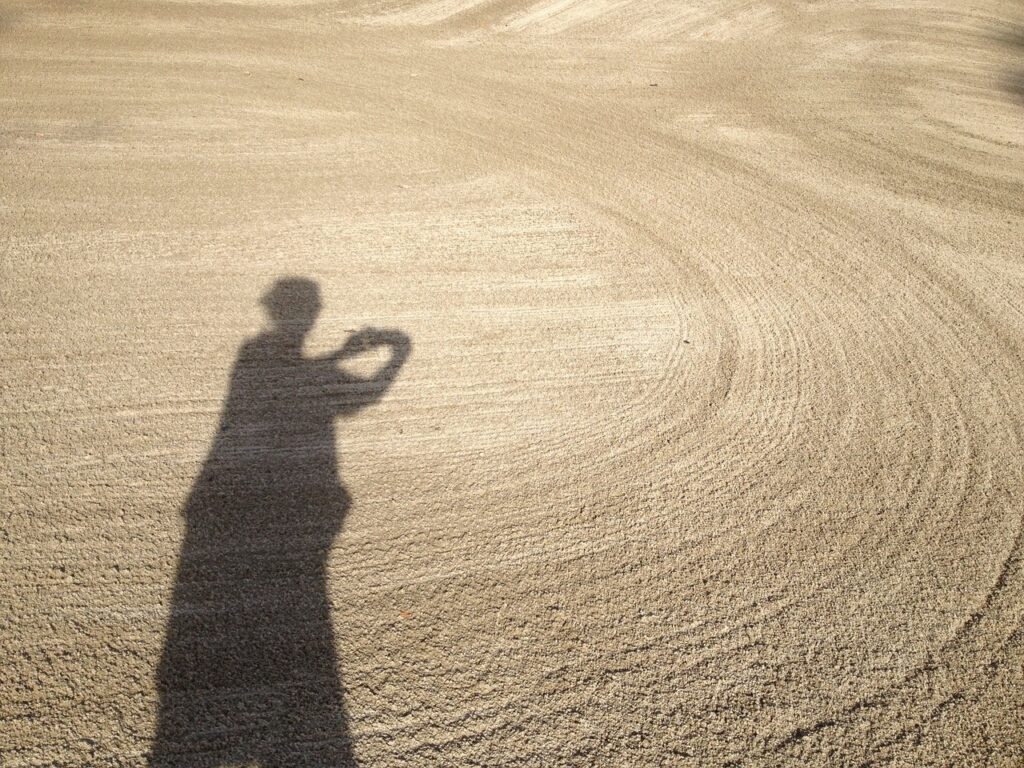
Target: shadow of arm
x=359, y=392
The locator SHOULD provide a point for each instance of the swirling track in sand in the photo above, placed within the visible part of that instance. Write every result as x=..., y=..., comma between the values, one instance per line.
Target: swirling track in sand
x=710, y=447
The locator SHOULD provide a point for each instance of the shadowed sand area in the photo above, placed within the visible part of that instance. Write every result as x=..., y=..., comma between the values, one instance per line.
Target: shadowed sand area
x=249, y=669
x=701, y=441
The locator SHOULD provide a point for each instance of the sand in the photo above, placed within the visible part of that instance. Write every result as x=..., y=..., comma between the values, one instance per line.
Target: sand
x=702, y=439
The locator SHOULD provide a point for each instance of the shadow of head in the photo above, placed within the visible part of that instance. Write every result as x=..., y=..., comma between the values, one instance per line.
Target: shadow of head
x=292, y=304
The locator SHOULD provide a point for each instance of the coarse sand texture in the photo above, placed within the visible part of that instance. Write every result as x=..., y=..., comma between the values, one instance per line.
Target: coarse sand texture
x=548, y=383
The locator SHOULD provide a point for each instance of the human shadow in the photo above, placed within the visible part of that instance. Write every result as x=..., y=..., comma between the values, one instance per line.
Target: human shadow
x=249, y=672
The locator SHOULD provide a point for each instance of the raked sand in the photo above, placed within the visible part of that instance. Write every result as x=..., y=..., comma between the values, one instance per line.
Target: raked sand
x=705, y=440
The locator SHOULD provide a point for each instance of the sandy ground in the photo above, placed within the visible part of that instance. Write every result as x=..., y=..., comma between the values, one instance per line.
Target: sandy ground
x=702, y=439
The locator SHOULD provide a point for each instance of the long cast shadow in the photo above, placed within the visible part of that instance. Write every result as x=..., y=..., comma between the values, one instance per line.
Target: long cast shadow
x=249, y=672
